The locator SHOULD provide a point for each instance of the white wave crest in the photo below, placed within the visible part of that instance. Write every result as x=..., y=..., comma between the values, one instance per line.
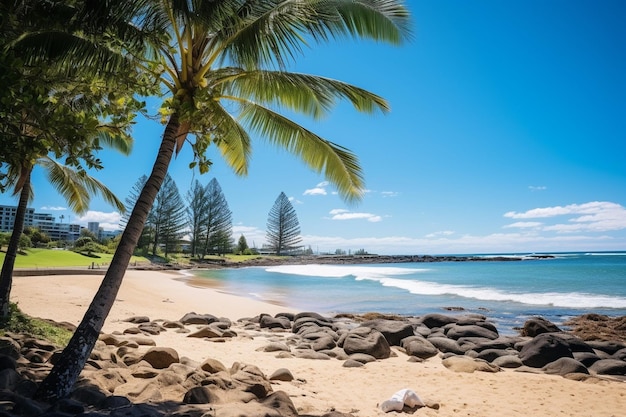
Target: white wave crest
x=341, y=271
x=554, y=299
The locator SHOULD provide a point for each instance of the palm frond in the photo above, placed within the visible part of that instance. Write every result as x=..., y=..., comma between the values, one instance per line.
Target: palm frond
x=337, y=164
x=72, y=53
x=114, y=139
x=276, y=32
x=77, y=186
x=308, y=94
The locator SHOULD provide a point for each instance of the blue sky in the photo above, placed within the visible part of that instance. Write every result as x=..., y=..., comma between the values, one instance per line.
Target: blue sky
x=507, y=134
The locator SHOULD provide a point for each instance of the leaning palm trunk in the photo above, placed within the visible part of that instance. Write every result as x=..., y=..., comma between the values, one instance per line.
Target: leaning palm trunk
x=60, y=381
x=6, y=276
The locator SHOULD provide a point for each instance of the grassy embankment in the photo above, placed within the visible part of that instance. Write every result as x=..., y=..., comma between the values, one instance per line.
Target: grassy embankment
x=49, y=258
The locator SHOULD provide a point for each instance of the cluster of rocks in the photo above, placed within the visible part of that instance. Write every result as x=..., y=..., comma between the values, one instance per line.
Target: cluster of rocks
x=127, y=375
x=467, y=343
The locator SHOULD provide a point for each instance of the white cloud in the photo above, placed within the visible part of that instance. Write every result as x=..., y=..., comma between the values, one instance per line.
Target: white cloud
x=108, y=221
x=493, y=243
x=48, y=208
x=390, y=193
x=595, y=216
x=319, y=189
x=295, y=200
x=341, y=214
x=537, y=187
x=523, y=225
x=441, y=233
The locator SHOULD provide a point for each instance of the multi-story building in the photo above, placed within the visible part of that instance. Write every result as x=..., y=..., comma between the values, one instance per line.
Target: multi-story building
x=43, y=221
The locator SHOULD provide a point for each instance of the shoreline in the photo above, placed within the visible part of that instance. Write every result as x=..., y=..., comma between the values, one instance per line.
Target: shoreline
x=319, y=386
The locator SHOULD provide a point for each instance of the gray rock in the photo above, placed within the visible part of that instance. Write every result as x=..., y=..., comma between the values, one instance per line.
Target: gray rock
x=544, y=349
x=419, y=347
x=508, y=361
x=446, y=345
x=437, y=320
x=538, y=325
x=366, y=340
x=457, y=332
x=609, y=367
x=564, y=366
x=393, y=330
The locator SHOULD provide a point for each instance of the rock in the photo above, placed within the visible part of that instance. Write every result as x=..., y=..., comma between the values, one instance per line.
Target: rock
x=161, y=357
x=538, y=325
x=207, y=332
x=437, y=320
x=491, y=355
x=321, y=341
x=610, y=347
x=469, y=365
x=311, y=354
x=303, y=322
x=213, y=366
x=362, y=357
x=419, y=347
x=270, y=322
x=137, y=319
x=609, y=367
x=9, y=347
x=280, y=402
x=508, y=361
x=173, y=325
x=457, y=332
x=366, y=340
x=446, y=345
x=351, y=363
x=282, y=374
x=393, y=330
x=544, y=349
x=274, y=347
x=193, y=318
x=586, y=358
x=564, y=366
x=202, y=395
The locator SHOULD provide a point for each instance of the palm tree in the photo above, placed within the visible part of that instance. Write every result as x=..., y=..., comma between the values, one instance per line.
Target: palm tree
x=52, y=119
x=74, y=184
x=223, y=64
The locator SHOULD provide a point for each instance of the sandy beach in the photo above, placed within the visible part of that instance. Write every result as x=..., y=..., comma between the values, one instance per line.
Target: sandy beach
x=320, y=386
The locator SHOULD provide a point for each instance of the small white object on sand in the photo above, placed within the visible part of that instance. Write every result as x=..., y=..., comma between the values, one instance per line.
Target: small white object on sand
x=400, y=399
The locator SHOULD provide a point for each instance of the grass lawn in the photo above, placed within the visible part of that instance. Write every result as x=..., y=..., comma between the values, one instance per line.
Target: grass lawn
x=44, y=258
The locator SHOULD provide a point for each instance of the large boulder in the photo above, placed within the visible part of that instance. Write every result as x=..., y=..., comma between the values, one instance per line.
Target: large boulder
x=366, y=340
x=538, y=325
x=393, y=330
x=544, y=349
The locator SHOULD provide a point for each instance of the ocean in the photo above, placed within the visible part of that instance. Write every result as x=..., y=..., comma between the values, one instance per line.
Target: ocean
x=507, y=292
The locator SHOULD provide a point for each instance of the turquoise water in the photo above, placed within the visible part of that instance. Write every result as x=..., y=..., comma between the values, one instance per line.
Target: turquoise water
x=508, y=292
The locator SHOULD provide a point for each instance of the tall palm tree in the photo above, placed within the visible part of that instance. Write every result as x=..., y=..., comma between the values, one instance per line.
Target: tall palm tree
x=222, y=65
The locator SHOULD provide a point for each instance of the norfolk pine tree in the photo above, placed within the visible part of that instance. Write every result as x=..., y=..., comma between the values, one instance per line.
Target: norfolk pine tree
x=283, y=228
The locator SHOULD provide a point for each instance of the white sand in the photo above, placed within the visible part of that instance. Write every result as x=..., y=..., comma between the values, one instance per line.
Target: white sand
x=320, y=385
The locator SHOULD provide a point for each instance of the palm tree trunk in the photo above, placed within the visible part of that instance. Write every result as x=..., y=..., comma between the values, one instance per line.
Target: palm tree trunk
x=6, y=276
x=59, y=383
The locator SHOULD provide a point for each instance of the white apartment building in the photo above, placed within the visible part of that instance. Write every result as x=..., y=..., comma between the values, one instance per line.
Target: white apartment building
x=45, y=222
